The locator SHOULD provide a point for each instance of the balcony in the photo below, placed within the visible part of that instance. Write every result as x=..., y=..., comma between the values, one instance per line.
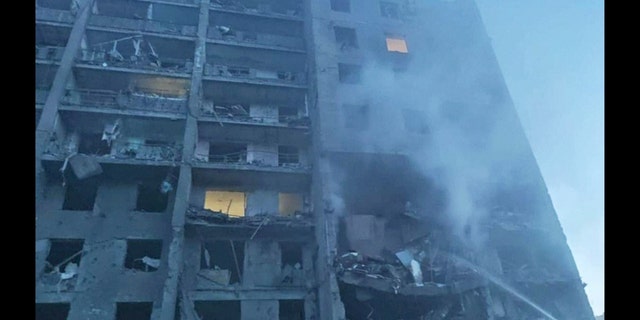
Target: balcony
x=253, y=115
x=217, y=225
x=267, y=10
x=229, y=35
x=124, y=101
x=126, y=152
x=48, y=54
x=149, y=62
x=259, y=76
x=150, y=26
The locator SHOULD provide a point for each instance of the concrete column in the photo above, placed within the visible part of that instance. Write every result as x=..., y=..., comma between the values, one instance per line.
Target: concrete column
x=50, y=110
x=183, y=189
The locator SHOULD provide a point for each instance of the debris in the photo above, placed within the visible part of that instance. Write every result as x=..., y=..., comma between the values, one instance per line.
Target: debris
x=217, y=275
x=111, y=132
x=225, y=31
x=154, y=263
x=416, y=272
x=207, y=258
x=166, y=187
x=114, y=54
x=69, y=271
x=405, y=257
x=83, y=166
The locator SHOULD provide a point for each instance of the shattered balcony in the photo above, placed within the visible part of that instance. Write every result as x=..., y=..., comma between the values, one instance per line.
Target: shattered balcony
x=229, y=35
x=230, y=72
x=256, y=114
x=150, y=26
x=248, y=158
x=124, y=101
x=268, y=10
x=120, y=152
x=103, y=58
x=210, y=224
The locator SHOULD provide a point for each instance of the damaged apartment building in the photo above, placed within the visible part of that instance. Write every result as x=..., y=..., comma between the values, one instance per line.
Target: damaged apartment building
x=286, y=159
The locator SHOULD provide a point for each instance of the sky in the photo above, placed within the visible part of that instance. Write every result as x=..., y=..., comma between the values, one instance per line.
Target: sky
x=551, y=53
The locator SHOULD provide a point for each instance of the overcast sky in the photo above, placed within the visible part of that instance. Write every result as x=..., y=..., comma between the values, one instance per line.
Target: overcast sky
x=551, y=53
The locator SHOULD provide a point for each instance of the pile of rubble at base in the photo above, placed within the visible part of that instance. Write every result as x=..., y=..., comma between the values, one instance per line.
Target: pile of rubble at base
x=420, y=269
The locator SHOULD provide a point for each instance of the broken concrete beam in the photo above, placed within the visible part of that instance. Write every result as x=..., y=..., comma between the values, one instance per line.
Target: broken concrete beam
x=84, y=166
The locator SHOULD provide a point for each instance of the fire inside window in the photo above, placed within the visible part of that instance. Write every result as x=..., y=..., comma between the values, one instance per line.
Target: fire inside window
x=397, y=44
x=232, y=203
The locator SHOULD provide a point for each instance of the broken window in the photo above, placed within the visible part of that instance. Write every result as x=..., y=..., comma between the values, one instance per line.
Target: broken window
x=80, y=195
x=218, y=310
x=397, y=44
x=349, y=73
x=291, y=253
x=93, y=144
x=414, y=121
x=389, y=9
x=341, y=5
x=223, y=261
x=52, y=311
x=62, y=253
x=346, y=38
x=290, y=203
x=229, y=202
x=143, y=255
x=288, y=155
x=133, y=310
x=227, y=152
x=151, y=198
x=291, y=309
x=356, y=117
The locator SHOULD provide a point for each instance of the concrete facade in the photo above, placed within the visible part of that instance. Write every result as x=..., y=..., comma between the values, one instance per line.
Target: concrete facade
x=390, y=118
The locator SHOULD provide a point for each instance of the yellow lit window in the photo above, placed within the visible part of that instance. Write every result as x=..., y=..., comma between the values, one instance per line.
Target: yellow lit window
x=397, y=45
x=229, y=202
x=289, y=203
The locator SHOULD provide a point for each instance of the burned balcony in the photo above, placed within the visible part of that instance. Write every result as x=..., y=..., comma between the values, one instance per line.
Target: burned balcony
x=49, y=53
x=247, y=156
x=234, y=35
x=254, y=114
x=260, y=75
x=274, y=9
x=119, y=141
x=150, y=53
x=145, y=16
x=124, y=100
x=218, y=225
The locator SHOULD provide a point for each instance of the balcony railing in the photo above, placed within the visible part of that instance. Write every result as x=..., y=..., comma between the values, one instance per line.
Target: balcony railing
x=150, y=26
x=240, y=72
x=49, y=53
x=141, y=62
x=228, y=33
x=122, y=150
x=240, y=113
x=263, y=9
x=124, y=101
